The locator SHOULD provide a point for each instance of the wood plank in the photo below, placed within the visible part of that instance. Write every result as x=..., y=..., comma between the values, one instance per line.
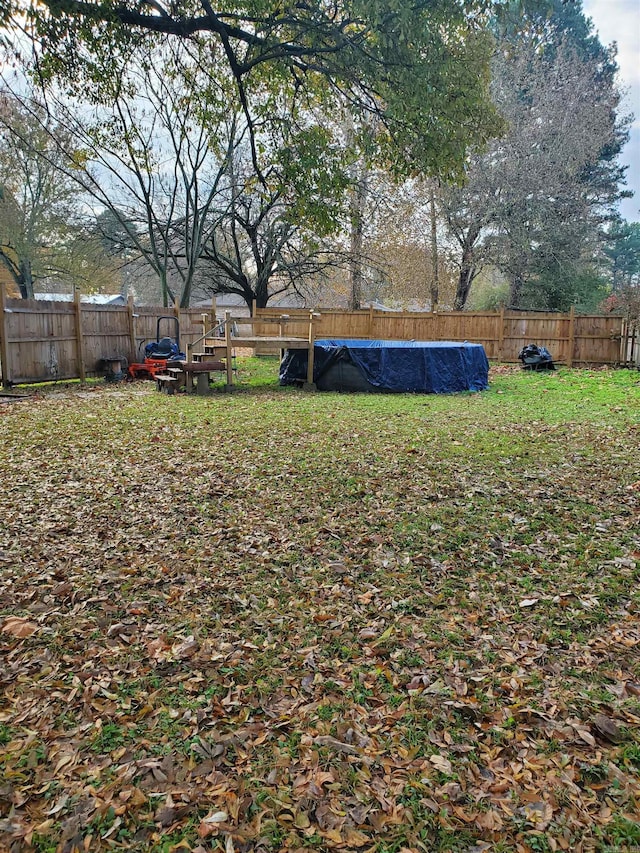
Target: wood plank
x=538, y=338
x=4, y=341
x=131, y=322
x=501, y=334
x=283, y=343
x=36, y=310
x=614, y=336
x=311, y=349
x=204, y=366
x=121, y=334
x=61, y=377
x=30, y=340
x=572, y=338
x=229, y=348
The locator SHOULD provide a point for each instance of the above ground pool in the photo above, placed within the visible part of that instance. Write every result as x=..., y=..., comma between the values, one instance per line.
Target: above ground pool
x=429, y=367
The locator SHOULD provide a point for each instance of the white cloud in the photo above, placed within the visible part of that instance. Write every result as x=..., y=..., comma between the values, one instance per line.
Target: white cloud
x=619, y=21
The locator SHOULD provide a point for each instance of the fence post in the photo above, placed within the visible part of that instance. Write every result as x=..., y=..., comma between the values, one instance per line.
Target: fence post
x=572, y=336
x=229, y=349
x=214, y=319
x=79, y=334
x=176, y=312
x=370, y=330
x=311, y=351
x=4, y=342
x=132, y=327
x=501, y=335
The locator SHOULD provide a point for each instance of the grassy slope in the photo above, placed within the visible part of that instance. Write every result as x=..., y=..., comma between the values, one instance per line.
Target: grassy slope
x=275, y=620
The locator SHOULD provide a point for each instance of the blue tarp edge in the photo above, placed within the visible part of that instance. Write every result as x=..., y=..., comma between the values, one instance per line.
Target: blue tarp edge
x=406, y=366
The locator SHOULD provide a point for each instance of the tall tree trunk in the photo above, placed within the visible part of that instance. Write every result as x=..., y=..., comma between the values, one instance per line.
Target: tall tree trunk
x=25, y=280
x=168, y=297
x=261, y=293
x=13, y=269
x=468, y=268
x=358, y=200
x=515, y=291
x=465, y=280
x=185, y=299
x=435, y=279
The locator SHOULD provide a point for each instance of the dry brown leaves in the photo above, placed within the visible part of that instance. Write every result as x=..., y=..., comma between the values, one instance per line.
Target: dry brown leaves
x=306, y=623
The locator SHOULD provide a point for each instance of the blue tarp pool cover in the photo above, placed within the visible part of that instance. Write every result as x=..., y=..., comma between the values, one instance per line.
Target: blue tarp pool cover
x=437, y=367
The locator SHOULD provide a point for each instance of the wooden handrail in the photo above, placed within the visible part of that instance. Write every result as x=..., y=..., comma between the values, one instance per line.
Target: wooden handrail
x=229, y=338
x=206, y=334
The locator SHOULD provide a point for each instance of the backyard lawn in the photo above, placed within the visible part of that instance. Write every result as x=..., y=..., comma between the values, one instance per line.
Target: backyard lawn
x=279, y=620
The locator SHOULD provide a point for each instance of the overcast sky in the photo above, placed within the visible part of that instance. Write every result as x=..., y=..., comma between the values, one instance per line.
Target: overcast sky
x=619, y=21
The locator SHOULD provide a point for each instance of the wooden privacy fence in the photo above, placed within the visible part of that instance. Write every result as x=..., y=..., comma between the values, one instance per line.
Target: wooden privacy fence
x=42, y=341
x=572, y=339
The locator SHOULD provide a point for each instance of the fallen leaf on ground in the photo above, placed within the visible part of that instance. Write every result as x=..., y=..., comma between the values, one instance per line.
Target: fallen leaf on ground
x=608, y=728
x=17, y=626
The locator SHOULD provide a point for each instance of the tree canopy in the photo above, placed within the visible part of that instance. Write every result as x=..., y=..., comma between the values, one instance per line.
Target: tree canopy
x=42, y=227
x=622, y=262
x=535, y=200
x=422, y=69
x=235, y=142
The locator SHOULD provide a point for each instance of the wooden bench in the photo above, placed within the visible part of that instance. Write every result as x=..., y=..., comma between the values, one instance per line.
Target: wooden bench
x=201, y=370
x=179, y=375
x=165, y=382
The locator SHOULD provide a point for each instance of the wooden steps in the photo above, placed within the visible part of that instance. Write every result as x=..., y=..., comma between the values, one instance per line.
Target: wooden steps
x=181, y=376
x=216, y=353
x=165, y=382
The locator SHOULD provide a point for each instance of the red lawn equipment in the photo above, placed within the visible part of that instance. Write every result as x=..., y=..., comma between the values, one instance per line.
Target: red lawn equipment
x=159, y=354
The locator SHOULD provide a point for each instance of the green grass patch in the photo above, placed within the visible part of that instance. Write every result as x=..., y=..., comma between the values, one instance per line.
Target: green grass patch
x=305, y=621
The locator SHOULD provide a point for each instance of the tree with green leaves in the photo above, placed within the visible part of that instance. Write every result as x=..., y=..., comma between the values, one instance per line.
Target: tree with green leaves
x=154, y=160
x=420, y=69
x=417, y=74
x=622, y=252
x=269, y=237
x=174, y=168
x=43, y=232
x=33, y=206
x=622, y=263
x=535, y=201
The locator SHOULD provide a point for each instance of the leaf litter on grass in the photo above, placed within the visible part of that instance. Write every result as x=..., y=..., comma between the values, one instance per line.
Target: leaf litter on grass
x=285, y=621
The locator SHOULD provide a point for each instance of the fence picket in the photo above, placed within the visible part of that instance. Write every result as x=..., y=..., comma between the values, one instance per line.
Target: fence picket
x=41, y=340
